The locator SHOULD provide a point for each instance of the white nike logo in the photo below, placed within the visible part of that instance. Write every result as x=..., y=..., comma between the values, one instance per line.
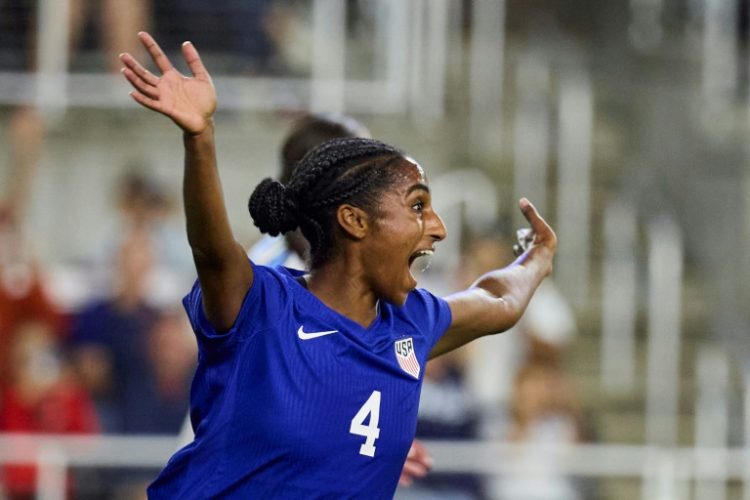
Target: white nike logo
x=313, y=335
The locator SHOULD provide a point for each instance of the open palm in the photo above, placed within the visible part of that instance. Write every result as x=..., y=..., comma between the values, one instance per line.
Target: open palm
x=189, y=101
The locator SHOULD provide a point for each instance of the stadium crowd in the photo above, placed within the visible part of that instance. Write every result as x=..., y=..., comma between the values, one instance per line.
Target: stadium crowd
x=121, y=361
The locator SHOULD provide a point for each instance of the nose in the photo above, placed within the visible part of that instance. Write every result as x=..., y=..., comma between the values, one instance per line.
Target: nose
x=436, y=227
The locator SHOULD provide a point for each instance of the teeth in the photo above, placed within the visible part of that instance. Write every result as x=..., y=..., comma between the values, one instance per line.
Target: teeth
x=422, y=253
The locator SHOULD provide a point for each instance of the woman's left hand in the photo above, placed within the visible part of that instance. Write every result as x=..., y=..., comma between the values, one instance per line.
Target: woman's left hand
x=543, y=238
x=190, y=101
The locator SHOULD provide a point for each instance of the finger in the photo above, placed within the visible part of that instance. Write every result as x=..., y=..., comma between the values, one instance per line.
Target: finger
x=417, y=447
x=160, y=59
x=538, y=224
x=419, y=453
x=139, y=84
x=145, y=101
x=130, y=62
x=414, y=469
x=194, y=60
x=404, y=480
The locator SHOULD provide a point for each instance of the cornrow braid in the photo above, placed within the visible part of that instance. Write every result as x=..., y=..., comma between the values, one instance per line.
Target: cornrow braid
x=273, y=208
x=348, y=170
x=346, y=192
x=328, y=161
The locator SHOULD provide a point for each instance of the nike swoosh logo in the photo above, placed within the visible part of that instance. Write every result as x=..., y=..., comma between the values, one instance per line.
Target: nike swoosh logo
x=312, y=335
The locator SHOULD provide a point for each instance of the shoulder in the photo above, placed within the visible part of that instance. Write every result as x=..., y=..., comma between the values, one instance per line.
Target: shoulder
x=419, y=299
x=266, y=280
x=266, y=298
x=424, y=316
x=425, y=308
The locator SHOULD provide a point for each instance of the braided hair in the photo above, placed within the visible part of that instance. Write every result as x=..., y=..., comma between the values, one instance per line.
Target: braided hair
x=349, y=170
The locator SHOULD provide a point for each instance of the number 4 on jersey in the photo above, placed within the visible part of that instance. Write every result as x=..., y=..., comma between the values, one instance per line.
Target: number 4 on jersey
x=371, y=431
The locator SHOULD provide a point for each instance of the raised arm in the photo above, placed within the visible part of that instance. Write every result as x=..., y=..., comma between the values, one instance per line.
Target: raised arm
x=223, y=269
x=496, y=301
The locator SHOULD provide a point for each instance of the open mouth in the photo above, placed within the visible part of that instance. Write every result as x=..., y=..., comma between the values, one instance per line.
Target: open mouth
x=420, y=260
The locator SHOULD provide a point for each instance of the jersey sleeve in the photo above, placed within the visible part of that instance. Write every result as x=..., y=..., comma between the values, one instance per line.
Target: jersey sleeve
x=432, y=312
x=253, y=315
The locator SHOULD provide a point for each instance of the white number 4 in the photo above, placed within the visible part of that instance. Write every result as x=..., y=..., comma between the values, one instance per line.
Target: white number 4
x=371, y=431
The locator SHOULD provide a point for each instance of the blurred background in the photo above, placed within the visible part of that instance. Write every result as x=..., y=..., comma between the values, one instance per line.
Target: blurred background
x=625, y=122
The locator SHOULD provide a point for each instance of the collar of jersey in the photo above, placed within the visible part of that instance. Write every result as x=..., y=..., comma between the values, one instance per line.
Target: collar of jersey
x=334, y=319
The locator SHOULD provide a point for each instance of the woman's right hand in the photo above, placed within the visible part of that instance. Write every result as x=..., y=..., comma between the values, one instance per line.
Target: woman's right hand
x=189, y=101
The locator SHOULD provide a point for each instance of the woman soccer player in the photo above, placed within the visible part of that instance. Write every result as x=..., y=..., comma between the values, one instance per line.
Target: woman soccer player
x=308, y=385
x=289, y=250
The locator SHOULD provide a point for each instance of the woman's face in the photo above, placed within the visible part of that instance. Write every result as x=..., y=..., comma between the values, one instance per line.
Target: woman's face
x=407, y=228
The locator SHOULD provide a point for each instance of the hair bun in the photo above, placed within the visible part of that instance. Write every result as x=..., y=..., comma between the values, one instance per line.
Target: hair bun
x=273, y=208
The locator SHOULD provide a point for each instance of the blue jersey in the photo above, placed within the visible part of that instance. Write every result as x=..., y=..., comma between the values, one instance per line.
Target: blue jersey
x=298, y=401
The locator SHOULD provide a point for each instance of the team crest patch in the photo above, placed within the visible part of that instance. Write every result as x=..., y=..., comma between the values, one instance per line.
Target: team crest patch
x=406, y=357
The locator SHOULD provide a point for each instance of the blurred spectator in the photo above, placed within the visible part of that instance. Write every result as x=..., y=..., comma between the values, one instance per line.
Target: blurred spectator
x=495, y=360
x=140, y=201
x=136, y=359
x=117, y=22
x=23, y=297
x=238, y=37
x=523, y=392
x=447, y=411
x=26, y=135
x=16, y=21
x=544, y=398
x=40, y=395
x=143, y=205
x=164, y=394
x=114, y=22
x=109, y=336
x=109, y=24
x=545, y=412
x=37, y=392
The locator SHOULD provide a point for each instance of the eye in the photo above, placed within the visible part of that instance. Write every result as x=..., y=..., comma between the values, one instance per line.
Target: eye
x=418, y=206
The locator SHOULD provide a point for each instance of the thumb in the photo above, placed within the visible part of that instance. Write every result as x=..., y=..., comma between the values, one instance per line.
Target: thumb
x=538, y=225
x=528, y=210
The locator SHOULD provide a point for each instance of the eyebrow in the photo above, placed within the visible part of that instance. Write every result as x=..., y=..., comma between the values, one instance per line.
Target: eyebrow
x=416, y=187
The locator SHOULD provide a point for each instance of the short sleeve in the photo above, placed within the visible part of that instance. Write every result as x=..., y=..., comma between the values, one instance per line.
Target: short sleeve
x=253, y=314
x=431, y=312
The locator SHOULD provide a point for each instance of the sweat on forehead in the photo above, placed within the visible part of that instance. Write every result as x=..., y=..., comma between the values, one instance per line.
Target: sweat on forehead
x=407, y=168
x=416, y=164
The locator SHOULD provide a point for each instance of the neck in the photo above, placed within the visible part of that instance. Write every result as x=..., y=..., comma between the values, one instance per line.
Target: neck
x=341, y=286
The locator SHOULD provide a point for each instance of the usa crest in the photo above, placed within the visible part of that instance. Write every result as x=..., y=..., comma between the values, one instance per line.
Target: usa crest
x=406, y=357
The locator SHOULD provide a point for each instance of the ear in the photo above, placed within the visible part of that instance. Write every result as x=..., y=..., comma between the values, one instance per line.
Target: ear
x=353, y=221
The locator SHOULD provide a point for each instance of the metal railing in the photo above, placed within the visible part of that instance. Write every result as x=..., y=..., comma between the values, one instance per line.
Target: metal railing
x=411, y=40
x=664, y=471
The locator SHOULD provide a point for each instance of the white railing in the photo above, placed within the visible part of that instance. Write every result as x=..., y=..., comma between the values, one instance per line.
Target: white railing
x=669, y=468
x=409, y=72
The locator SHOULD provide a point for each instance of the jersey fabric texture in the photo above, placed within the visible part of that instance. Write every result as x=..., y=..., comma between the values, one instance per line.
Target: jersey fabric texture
x=285, y=404
x=269, y=251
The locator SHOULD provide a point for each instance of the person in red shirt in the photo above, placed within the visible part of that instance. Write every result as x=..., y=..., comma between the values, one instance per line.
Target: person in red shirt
x=39, y=396
x=23, y=296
